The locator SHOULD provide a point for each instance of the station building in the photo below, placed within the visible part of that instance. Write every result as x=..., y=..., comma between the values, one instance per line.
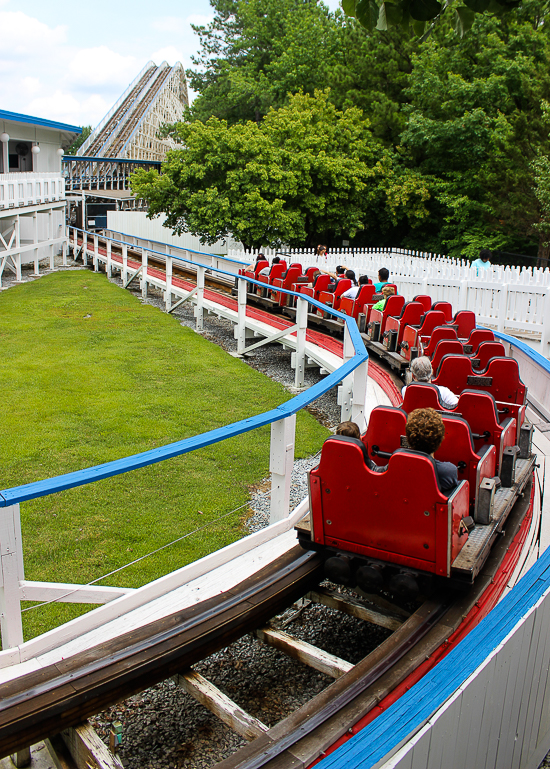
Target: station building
x=32, y=190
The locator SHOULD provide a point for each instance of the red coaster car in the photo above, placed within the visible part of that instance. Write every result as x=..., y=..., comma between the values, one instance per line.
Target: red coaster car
x=500, y=378
x=398, y=517
x=292, y=275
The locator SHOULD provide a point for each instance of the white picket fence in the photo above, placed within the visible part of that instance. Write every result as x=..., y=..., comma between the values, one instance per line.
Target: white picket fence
x=515, y=300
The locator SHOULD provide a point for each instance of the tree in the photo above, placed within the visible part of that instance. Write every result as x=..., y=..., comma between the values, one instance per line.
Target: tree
x=541, y=168
x=86, y=131
x=474, y=127
x=307, y=172
x=421, y=17
x=372, y=72
x=255, y=52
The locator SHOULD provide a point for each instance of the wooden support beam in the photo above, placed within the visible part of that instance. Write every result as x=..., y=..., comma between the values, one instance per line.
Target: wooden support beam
x=303, y=652
x=88, y=750
x=349, y=605
x=219, y=704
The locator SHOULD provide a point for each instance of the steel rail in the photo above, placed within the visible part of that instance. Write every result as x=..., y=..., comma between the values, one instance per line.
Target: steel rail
x=42, y=703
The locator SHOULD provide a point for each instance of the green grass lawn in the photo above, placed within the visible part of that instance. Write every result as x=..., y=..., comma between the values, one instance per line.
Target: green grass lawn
x=89, y=375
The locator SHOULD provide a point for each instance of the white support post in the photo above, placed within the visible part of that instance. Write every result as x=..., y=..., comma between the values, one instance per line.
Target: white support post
x=75, y=243
x=85, y=248
x=144, y=261
x=50, y=237
x=168, y=292
x=124, y=275
x=96, y=253
x=240, y=331
x=109, y=266
x=11, y=574
x=64, y=251
x=545, y=340
x=199, y=307
x=502, y=308
x=359, y=398
x=300, y=359
x=345, y=391
x=281, y=462
x=35, y=241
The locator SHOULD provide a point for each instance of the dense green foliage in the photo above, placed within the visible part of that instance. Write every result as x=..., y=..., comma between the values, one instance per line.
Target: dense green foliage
x=420, y=17
x=453, y=137
x=97, y=376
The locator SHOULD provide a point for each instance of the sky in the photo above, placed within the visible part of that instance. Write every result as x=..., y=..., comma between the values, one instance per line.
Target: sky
x=70, y=61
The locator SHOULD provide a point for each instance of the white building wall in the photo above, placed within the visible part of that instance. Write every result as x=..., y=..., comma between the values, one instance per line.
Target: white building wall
x=47, y=160
x=137, y=224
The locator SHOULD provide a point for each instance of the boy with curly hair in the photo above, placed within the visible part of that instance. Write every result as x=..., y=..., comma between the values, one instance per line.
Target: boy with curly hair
x=425, y=432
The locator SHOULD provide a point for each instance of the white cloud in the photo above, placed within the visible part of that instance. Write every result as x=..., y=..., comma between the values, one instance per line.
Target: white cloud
x=67, y=108
x=170, y=54
x=26, y=37
x=93, y=67
x=46, y=71
x=31, y=85
x=200, y=20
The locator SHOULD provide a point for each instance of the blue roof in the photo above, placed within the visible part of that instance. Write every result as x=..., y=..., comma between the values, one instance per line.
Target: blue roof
x=40, y=121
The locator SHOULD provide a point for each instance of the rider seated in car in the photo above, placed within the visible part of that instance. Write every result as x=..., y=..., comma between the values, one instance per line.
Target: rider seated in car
x=425, y=432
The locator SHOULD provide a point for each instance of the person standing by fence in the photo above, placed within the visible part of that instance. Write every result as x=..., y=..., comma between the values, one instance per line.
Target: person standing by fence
x=484, y=262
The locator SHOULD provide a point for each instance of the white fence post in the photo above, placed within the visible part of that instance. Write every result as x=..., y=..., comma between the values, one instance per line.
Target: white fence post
x=502, y=308
x=109, y=267
x=240, y=331
x=359, y=397
x=546, y=325
x=199, y=307
x=50, y=236
x=168, y=292
x=96, y=253
x=124, y=272
x=300, y=359
x=144, y=262
x=11, y=573
x=281, y=462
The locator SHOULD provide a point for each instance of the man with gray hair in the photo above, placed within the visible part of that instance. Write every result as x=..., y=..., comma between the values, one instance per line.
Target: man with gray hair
x=421, y=371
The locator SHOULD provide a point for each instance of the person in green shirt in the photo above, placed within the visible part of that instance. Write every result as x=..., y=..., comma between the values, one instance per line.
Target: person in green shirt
x=386, y=291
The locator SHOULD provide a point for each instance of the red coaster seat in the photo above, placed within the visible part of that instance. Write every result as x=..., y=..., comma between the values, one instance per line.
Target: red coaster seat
x=395, y=326
x=353, y=307
x=377, y=319
x=415, y=338
x=385, y=433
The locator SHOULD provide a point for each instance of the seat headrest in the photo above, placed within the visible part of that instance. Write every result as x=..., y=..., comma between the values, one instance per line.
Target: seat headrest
x=347, y=439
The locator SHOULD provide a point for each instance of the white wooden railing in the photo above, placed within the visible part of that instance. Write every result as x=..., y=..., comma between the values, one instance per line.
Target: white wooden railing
x=27, y=189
